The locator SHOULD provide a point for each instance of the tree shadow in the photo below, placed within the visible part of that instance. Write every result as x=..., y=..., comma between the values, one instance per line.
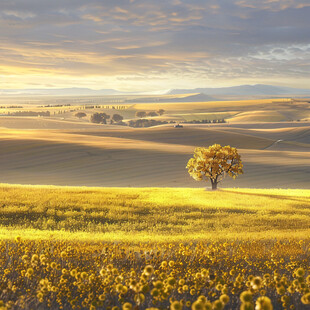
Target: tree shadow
x=279, y=197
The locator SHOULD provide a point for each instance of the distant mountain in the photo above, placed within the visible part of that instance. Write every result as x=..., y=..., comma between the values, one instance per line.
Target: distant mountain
x=192, y=98
x=61, y=92
x=245, y=90
x=189, y=98
x=199, y=94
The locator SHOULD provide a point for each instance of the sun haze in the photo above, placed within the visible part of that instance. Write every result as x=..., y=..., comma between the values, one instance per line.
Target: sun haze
x=134, y=45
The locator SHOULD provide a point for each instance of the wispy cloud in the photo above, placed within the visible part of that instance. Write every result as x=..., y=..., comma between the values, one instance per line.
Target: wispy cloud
x=138, y=44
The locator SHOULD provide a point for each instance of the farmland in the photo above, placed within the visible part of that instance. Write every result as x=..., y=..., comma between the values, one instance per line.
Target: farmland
x=112, y=248
x=105, y=216
x=62, y=149
x=159, y=214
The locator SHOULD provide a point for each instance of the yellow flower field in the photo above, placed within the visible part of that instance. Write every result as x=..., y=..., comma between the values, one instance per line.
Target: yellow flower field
x=205, y=275
x=153, y=248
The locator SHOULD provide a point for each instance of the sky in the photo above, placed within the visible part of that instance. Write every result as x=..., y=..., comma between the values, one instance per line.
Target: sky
x=133, y=45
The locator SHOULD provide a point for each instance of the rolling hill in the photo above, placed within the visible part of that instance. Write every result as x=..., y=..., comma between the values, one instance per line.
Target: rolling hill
x=148, y=156
x=64, y=150
x=245, y=90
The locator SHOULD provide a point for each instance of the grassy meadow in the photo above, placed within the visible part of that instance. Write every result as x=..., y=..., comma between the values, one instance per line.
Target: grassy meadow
x=158, y=214
x=153, y=248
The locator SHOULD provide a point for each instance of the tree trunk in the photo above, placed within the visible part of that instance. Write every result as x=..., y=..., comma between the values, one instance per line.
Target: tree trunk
x=214, y=185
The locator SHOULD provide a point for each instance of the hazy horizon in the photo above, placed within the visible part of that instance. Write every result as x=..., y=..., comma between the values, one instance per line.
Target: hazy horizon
x=158, y=91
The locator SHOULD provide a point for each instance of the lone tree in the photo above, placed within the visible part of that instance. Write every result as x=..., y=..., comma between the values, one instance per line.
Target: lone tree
x=141, y=114
x=161, y=111
x=117, y=118
x=80, y=114
x=214, y=163
x=99, y=118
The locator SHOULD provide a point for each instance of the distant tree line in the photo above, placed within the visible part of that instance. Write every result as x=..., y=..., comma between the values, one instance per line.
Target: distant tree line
x=110, y=107
x=56, y=105
x=11, y=107
x=142, y=122
x=92, y=107
x=101, y=118
x=30, y=113
x=142, y=114
x=205, y=121
x=139, y=123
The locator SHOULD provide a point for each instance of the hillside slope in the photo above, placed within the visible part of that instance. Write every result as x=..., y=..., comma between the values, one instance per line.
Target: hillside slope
x=144, y=157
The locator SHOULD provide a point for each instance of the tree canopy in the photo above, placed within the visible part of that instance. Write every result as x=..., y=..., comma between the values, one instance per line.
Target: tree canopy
x=214, y=163
x=99, y=118
x=141, y=114
x=161, y=111
x=152, y=113
x=80, y=114
x=117, y=118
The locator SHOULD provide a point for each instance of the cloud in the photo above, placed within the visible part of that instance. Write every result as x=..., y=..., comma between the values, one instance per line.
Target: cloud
x=193, y=42
x=19, y=14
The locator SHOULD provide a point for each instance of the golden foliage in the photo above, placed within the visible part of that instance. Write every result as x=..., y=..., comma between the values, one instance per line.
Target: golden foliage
x=214, y=162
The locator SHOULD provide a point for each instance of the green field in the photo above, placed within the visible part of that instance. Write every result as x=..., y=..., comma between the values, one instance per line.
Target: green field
x=138, y=214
